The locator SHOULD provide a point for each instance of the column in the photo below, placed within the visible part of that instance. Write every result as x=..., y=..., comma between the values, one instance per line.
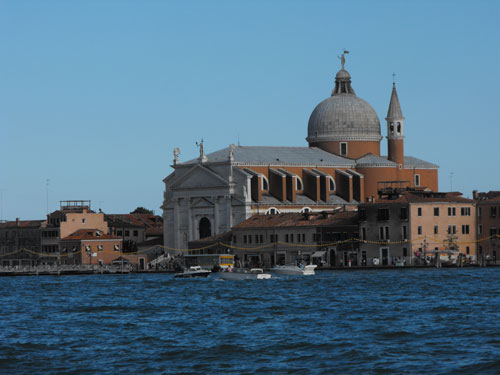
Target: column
x=216, y=215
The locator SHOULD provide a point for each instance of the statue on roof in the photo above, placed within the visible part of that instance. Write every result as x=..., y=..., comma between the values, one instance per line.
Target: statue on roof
x=200, y=146
x=231, y=151
x=177, y=152
x=342, y=58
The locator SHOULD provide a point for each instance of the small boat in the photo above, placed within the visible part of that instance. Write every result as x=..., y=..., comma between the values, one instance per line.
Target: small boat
x=244, y=274
x=193, y=271
x=292, y=269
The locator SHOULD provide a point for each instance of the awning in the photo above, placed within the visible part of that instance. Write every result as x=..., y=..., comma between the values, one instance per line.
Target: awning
x=318, y=254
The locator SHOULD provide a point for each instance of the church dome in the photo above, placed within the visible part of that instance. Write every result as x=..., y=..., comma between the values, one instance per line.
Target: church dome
x=343, y=116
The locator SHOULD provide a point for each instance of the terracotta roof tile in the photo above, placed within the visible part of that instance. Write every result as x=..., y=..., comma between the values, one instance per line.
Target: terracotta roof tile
x=90, y=234
x=300, y=220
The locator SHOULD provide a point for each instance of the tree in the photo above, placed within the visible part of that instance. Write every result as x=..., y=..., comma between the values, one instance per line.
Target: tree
x=142, y=210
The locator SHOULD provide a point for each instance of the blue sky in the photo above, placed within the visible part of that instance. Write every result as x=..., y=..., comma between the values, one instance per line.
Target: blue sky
x=96, y=94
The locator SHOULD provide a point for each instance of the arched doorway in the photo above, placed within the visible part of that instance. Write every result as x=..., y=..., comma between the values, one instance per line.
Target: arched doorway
x=205, y=228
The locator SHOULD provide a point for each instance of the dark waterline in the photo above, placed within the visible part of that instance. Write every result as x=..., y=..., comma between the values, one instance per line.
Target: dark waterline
x=429, y=321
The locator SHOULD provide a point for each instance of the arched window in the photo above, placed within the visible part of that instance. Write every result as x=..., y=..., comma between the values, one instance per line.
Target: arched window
x=298, y=184
x=265, y=183
x=392, y=128
x=332, y=183
x=272, y=211
x=205, y=228
x=399, y=128
x=305, y=209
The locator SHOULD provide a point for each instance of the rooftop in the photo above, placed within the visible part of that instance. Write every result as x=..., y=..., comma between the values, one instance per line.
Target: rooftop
x=90, y=234
x=326, y=218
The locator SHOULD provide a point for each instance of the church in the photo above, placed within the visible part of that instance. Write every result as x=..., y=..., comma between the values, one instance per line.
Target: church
x=341, y=167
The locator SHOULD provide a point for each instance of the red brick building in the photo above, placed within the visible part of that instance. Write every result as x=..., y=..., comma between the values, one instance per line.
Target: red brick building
x=341, y=166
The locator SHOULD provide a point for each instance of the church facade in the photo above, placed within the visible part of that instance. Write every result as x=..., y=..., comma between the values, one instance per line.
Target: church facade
x=341, y=167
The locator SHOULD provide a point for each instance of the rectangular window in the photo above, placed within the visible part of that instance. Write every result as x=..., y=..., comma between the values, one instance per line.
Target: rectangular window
x=405, y=234
x=127, y=233
x=493, y=211
x=436, y=211
x=286, y=237
x=493, y=231
x=136, y=233
x=404, y=213
x=479, y=211
x=383, y=214
x=291, y=237
x=465, y=211
x=405, y=252
x=363, y=233
x=465, y=229
x=343, y=148
x=419, y=229
x=417, y=180
x=452, y=229
x=256, y=238
x=467, y=250
x=452, y=211
x=419, y=211
x=249, y=238
x=480, y=229
x=261, y=238
x=245, y=239
x=119, y=233
x=83, y=221
x=362, y=215
x=436, y=230
x=384, y=233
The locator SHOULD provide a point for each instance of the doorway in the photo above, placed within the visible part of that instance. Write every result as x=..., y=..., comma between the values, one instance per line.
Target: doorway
x=384, y=255
x=205, y=228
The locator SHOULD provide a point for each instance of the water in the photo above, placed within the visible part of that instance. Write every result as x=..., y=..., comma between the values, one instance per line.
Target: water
x=427, y=321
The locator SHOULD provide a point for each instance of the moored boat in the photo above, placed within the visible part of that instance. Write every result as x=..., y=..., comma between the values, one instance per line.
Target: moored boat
x=193, y=271
x=244, y=274
x=292, y=269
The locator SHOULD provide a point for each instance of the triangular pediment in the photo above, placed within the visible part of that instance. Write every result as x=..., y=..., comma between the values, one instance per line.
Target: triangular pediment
x=200, y=177
x=202, y=203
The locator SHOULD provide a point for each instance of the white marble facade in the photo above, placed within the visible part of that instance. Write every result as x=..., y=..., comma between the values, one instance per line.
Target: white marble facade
x=195, y=193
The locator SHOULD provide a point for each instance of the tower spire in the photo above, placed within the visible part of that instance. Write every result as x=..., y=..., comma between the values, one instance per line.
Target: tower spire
x=395, y=128
x=394, y=111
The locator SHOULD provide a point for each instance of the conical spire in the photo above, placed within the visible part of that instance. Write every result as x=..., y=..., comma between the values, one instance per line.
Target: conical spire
x=394, y=111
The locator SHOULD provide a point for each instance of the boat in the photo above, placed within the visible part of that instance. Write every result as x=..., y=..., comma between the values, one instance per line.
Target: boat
x=193, y=271
x=244, y=274
x=292, y=269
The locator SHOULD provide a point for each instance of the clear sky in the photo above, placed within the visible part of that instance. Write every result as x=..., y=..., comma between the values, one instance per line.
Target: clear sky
x=95, y=95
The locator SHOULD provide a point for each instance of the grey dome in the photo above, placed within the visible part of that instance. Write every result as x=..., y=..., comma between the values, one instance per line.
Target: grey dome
x=343, y=116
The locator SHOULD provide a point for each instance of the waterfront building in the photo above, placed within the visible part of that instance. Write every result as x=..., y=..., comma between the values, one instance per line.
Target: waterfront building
x=405, y=226
x=90, y=247
x=137, y=230
x=72, y=216
x=340, y=167
x=324, y=238
x=20, y=240
x=488, y=225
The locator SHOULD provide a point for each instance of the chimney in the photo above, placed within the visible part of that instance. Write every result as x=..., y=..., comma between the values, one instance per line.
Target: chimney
x=475, y=194
x=17, y=221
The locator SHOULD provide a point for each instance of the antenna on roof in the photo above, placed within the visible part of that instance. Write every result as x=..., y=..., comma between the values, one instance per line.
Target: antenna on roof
x=47, y=193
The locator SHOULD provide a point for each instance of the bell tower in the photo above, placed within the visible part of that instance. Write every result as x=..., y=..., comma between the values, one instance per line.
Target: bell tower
x=395, y=129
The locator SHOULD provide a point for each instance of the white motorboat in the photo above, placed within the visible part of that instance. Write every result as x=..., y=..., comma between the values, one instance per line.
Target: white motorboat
x=292, y=269
x=193, y=271
x=244, y=274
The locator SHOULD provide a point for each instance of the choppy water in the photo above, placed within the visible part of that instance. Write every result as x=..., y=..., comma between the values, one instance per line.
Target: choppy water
x=372, y=322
